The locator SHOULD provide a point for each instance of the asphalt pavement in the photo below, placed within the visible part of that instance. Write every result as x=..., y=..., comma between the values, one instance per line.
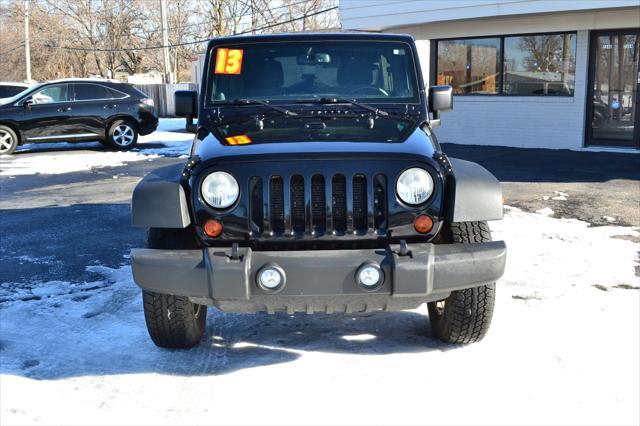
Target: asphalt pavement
x=602, y=188
x=53, y=226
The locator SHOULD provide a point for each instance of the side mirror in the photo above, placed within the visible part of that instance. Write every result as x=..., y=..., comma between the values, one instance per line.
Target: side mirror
x=440, y=100
x=186, y=104
x=28, y=102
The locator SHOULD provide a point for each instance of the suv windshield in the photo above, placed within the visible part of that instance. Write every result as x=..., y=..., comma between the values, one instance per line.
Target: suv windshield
x=369, y=71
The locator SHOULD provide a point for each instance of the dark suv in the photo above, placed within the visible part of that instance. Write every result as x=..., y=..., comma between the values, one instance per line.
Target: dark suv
x=76, y=110
x=316, y=184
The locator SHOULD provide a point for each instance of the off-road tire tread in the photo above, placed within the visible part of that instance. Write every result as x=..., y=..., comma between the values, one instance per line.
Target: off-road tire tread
x=171, y=320
x=467, y=313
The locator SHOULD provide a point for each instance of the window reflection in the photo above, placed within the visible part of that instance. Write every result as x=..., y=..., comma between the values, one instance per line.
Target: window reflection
x=540, y=64
x=470, y=66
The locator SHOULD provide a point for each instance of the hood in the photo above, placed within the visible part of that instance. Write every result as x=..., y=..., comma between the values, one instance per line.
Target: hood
x=212, y=146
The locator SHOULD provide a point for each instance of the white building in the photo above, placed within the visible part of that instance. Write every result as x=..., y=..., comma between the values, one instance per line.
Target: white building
x=526, y=73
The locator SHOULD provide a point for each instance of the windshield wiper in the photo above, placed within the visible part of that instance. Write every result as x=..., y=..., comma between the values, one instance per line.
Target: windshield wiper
x=376, y=111
x=282, y=111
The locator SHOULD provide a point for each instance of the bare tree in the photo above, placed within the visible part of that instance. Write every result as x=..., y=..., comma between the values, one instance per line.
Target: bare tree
x=544, y=52
x=81, y=38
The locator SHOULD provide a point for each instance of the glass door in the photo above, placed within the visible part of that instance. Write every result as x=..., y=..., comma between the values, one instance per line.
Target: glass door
x=613, y=118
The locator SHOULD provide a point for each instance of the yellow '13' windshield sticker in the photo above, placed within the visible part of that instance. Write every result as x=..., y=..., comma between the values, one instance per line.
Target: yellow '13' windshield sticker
x=238, y=140
x=228, y=61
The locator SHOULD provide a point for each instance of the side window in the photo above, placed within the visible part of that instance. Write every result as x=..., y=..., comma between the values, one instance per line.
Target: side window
x=88, y=92
x=116, y=94
x=51, y=94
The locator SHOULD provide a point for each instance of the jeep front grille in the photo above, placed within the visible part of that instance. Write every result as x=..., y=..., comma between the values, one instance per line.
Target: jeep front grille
x=339, y=205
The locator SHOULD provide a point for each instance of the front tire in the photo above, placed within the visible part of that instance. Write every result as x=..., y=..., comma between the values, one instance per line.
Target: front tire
x=122, y=135
x=8, y=140
x=173, y=322
x=465, y=316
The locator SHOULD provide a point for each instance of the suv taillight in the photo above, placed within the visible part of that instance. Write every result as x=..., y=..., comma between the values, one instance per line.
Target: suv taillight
x=147, y=101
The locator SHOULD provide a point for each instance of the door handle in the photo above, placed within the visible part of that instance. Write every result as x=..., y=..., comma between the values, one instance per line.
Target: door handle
x=64, y=109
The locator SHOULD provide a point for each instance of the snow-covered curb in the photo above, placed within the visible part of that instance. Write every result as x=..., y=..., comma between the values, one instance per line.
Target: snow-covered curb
x=560, y=351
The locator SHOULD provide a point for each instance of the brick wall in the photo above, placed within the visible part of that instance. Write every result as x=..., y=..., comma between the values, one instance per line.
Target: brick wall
x=541, y=122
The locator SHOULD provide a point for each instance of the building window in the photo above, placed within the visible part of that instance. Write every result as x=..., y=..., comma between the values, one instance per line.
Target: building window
x=540, y=64
x=523, y=65
x=470, y=65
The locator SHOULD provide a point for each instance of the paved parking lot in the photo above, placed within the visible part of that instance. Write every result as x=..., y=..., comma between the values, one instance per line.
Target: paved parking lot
x=601, y=188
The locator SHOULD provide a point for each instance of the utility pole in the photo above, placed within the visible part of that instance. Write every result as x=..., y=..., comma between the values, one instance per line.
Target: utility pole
x=165, y=42
x=27, y=52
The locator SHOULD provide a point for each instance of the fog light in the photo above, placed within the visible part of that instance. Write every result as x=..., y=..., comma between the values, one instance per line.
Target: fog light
x=271, y=277
x=369, y=276
x=213, y=228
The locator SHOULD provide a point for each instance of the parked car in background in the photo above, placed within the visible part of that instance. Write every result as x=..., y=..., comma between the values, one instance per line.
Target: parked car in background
x=76, y=110
x=12, y=88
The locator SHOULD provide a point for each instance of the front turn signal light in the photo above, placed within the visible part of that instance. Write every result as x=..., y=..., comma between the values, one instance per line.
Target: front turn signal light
x=213, y=228
x=423, y=224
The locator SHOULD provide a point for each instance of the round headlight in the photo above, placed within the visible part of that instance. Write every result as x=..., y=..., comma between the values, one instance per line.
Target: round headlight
x=414, y=186
x=220, y=190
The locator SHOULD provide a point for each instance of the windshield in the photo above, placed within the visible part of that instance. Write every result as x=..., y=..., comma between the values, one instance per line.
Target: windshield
x=369, y=71
x=16, y=97
x=7, y=90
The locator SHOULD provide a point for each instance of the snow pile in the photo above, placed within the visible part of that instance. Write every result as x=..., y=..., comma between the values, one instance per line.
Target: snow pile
x=559, y=196
x=559, y=351
x=56, y=158
x=53, y=164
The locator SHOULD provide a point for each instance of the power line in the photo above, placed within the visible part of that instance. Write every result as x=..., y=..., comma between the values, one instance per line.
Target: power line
x=265, y=27
x=19, y=46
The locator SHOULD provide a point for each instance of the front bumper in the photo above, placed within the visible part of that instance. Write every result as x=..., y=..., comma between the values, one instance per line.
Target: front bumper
x=319, y=280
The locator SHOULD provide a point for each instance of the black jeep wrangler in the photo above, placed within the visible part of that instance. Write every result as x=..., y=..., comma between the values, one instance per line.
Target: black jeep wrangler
x=316, y=184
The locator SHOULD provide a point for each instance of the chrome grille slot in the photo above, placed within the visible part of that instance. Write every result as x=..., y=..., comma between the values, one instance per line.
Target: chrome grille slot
x=276, y=204
x=297, y=204
x=318, y=204
x=339, y=203
x=360, y=203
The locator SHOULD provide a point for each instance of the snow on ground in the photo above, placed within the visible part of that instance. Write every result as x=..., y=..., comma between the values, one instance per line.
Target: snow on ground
x=563, y=348
x=56, y=158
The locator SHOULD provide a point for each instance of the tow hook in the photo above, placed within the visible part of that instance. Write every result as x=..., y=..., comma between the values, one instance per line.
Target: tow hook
x=404, y=250
x=234, y=252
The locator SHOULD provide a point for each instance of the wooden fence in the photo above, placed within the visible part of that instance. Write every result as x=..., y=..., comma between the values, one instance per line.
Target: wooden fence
x=162, y=95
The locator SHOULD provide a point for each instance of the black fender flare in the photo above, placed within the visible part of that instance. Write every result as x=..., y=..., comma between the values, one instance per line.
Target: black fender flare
x=474, y=193
x=160, y=201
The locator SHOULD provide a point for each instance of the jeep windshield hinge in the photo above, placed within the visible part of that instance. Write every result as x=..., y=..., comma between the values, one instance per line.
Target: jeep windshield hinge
x=191, y=164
